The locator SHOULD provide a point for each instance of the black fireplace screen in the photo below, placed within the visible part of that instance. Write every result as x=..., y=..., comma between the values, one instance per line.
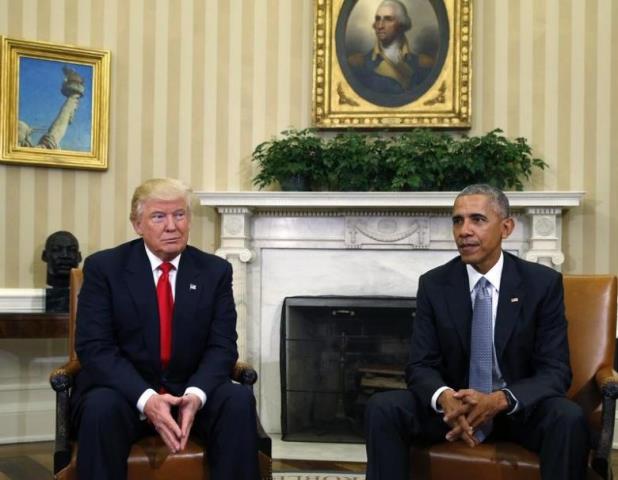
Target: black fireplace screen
x=335, y=353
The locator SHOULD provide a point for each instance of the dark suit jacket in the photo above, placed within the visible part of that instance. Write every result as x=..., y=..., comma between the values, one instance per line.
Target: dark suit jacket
x=530, y=332
x=117, y=336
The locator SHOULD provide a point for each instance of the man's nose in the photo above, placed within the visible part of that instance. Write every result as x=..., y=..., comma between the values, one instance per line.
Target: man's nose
x=464, y=229
x=170, y=223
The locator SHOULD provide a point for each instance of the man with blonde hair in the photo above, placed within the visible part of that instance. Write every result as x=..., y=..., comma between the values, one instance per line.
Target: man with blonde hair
x=156, y=338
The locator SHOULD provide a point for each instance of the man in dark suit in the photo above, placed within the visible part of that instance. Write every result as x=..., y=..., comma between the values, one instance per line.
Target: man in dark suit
x=527, y=355
x=142, y=373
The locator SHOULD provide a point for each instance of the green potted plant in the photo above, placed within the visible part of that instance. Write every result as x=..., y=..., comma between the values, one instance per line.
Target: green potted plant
x=418, y=160
x=293, y=161
x=354, y=161
x=426, y=160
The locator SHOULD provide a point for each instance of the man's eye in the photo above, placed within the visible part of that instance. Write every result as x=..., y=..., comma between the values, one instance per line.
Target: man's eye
x=157, y=217
x=179, y=215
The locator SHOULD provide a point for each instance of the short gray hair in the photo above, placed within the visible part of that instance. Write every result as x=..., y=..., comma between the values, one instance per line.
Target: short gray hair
x=496, y=196
x=401, y=13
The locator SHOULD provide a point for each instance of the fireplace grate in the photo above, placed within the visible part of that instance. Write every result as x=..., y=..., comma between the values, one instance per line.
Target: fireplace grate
x=335, y=352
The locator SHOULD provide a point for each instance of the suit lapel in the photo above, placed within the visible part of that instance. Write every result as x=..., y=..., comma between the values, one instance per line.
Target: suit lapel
x=188, y=290
x=510, y=302
x=140, y=284
x=459, y=303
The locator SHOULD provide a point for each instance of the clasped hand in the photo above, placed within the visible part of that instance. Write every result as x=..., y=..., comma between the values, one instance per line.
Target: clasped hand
x=466, y=409
x=158, y=410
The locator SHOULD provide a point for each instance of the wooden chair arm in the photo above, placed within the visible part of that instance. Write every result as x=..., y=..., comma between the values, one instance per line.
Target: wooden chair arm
x=607, y=381
x=244, y=373
x=61, y=379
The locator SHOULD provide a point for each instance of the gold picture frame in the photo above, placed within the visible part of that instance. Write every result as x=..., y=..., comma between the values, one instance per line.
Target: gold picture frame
x=55, y=105
x=354, y=86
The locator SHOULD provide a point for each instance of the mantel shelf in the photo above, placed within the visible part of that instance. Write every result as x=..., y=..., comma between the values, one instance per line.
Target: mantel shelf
x=291, y=200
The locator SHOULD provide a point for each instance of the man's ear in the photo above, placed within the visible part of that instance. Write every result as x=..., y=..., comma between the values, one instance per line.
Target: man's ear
x=508, y=225
x=44, y=256
x=136, y=227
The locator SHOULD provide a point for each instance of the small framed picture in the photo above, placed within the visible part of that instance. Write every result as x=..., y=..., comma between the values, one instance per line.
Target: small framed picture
x=55, y=105
x=392, y=63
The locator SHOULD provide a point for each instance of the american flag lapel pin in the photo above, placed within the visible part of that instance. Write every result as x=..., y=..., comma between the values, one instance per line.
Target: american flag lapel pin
x=192, y=286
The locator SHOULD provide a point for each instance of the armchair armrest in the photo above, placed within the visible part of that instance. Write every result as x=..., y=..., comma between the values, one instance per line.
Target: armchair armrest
x=244, y=373
x=607, y=381
x=61, y=379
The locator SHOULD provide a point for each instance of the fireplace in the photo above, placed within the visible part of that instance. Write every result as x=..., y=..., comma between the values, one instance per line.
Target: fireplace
x=288, y=244
x=336, y=351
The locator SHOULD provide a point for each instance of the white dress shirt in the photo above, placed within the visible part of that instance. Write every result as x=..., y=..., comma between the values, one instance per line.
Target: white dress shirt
x=155, y=263
x=493, y=276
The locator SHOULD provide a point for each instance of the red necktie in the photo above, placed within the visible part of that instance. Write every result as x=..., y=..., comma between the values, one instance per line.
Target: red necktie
x=166, y=312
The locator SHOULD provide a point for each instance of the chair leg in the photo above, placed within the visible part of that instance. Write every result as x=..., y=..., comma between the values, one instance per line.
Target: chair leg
x=62, y=448
x=602, y=463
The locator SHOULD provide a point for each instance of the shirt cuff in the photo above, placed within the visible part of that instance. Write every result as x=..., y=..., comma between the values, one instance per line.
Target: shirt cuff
x=198, y=392
x=141, y=402
x=516, y=407
x=434, y=399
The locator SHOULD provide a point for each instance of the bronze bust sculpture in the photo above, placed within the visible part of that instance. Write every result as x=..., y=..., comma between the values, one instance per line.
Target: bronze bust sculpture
x=61, y=254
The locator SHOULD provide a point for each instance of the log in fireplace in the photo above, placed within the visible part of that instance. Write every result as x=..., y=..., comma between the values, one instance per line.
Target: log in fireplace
x=335, y=352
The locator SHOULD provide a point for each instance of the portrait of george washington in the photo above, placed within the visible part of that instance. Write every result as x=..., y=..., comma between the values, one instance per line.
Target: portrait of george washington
x=392, y=51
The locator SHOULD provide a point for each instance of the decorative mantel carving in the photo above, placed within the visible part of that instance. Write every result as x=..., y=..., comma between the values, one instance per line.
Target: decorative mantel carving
x=387, y=230
x=235, y=247
x=545, y=242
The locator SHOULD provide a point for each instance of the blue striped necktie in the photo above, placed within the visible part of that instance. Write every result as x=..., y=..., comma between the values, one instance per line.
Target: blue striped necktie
x=481, y=348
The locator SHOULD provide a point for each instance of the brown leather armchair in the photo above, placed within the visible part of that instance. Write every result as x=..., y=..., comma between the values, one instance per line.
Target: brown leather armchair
x=590, y=302
x=149, y=457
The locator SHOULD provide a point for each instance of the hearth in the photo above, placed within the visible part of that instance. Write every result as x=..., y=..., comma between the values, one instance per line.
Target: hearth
x=335, y=352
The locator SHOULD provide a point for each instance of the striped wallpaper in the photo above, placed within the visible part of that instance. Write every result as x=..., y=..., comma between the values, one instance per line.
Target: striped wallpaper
x=196, y=84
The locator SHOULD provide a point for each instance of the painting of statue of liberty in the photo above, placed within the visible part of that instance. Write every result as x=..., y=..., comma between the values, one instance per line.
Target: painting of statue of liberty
x=55, y=105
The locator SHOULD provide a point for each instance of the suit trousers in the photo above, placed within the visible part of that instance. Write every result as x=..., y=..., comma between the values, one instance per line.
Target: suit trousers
x=108, y=426
x=555, y=428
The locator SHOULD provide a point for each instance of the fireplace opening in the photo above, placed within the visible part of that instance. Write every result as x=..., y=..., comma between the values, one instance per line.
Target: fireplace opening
x=336, y=352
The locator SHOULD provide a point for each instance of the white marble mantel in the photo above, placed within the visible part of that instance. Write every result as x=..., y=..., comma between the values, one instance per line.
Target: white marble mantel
x=287, y=200
x=349, y=243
